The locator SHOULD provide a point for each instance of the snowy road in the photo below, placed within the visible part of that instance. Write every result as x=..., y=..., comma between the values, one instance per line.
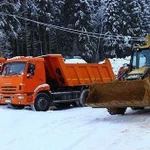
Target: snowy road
x=74, y=129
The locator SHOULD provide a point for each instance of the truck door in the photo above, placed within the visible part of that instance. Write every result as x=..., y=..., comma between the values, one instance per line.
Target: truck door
x=35, y=76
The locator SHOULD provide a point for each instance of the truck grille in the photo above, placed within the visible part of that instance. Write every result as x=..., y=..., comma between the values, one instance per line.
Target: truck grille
x=8, y=89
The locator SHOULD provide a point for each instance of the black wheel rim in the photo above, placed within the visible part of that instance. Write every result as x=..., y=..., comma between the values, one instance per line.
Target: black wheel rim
x=42, y=103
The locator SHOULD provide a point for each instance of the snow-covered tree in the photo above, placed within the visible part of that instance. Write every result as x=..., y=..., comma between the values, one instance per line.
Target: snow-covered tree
x=145, y=8
x=98, y=8
x=10, y=25
x=5, y=50
x=49, y=13
x=77, y=15
x=27, y=36
x=117, y=19
x=122, y=19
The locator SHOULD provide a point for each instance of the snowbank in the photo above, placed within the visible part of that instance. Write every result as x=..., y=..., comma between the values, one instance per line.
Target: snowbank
x=118, y=62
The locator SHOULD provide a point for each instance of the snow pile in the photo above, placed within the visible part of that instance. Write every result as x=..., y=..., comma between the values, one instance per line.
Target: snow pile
x=75, y=60
x=118, y=62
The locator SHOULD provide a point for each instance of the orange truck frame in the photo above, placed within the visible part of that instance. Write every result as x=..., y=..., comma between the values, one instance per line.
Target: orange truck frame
x=45, y=81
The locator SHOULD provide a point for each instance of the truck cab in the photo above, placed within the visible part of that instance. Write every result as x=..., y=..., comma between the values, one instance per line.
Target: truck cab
x=20, y=79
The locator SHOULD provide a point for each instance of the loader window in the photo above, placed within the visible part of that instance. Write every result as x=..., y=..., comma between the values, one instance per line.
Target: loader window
x=14, y=68
x=134, y=61
x=141, y=58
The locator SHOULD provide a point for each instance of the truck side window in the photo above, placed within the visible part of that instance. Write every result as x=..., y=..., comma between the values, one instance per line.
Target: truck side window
x=31, y=69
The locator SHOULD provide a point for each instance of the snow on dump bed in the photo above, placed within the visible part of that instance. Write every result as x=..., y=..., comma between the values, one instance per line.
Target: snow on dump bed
x=75, y=60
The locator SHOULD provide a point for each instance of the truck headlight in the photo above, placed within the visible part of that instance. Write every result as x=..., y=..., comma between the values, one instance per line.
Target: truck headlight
x=20, y=97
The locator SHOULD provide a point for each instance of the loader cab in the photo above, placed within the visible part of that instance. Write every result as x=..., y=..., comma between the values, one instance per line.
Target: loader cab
x=140, y=64
x=140, y=58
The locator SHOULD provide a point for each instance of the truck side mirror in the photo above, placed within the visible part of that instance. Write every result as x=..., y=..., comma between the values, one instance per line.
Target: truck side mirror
x=31, y=69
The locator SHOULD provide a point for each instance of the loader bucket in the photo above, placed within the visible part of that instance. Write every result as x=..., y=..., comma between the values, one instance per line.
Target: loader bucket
x=120, y=94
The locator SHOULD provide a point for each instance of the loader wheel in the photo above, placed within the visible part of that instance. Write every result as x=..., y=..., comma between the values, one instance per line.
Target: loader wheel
x=17, y=106
x=137, y=108
x=83, y=98
x=42, y=102
x=116, y=111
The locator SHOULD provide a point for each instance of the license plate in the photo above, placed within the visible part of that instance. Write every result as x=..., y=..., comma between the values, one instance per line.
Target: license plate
x=7, y=101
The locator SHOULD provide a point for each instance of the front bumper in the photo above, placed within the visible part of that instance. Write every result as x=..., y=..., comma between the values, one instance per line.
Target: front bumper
x=18, y=99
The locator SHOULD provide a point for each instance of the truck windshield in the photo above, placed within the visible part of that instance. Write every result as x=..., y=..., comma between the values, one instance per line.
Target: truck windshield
x=13, y=68
x=141, y=58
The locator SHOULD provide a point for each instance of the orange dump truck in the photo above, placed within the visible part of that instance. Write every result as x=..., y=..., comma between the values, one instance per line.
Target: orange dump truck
x=44, y=81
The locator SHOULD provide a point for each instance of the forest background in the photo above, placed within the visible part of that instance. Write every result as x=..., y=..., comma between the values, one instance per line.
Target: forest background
x=92, y=29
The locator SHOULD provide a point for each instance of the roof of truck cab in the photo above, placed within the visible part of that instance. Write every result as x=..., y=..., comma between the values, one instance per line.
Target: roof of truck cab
x=25, y=59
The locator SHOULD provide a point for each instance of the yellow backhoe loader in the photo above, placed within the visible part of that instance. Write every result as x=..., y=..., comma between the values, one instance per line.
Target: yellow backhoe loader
x=132, y=87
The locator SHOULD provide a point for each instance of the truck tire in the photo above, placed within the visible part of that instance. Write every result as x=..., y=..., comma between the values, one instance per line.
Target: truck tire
x=42, y=102
x=83, y=98
x=17, y=106
x=116, y=111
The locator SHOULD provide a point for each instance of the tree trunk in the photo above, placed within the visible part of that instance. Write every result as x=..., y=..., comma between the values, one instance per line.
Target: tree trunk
x=75, y=46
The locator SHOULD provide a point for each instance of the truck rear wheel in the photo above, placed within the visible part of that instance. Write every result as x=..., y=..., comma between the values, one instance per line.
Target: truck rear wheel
x=42, y=102
x=116, y=111
x=83, y=98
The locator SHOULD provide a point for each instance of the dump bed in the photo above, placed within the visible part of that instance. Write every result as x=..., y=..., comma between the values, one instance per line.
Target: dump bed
x=76, y=74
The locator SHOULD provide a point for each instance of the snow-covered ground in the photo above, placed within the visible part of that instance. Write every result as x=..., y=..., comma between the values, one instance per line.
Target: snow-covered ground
x=83, y=128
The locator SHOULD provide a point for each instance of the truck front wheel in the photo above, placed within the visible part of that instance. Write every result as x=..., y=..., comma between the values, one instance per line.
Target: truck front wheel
x=42, y=102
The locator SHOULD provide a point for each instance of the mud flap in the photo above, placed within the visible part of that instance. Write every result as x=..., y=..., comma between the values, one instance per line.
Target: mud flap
x=120, y=94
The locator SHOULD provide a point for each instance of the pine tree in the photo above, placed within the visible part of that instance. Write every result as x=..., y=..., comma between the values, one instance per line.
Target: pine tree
x=4, y=45
x=98, y=8
x=145, y=14
x=9, y=24
x=122, y=18
x=77, y=15
x=48, y=12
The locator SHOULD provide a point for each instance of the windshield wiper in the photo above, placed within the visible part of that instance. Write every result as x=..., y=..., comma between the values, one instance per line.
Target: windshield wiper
x=13, y=73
